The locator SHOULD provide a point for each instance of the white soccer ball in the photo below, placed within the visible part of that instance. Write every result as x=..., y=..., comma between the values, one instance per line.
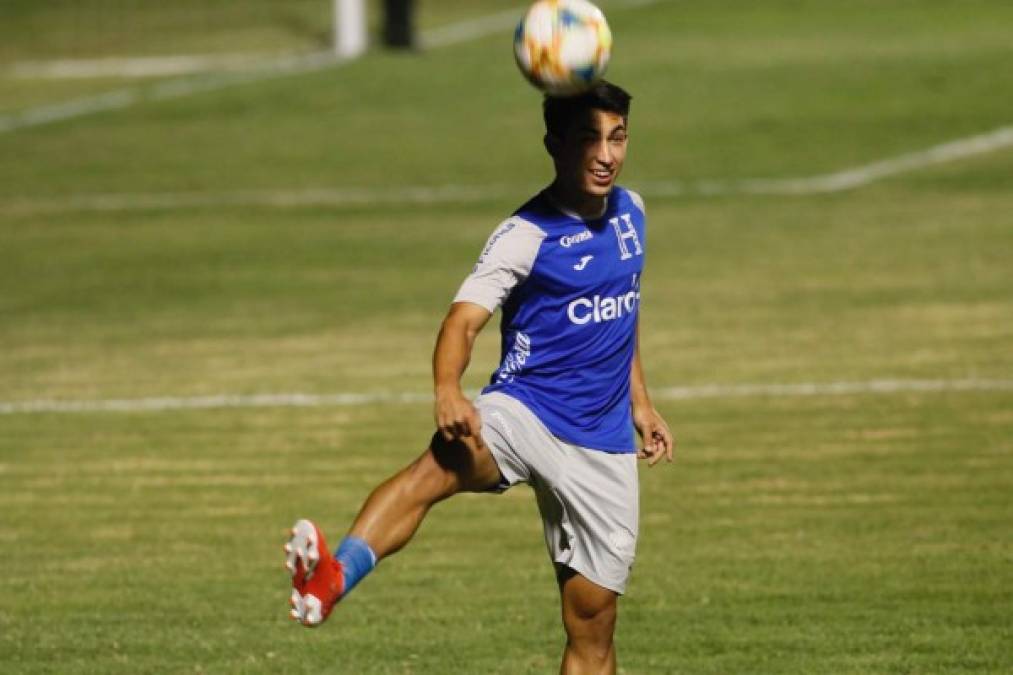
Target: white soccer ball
x=563, y=46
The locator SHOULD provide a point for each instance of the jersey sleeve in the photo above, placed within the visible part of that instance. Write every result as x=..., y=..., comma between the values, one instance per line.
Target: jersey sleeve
x=505, y=262
x=637, y=200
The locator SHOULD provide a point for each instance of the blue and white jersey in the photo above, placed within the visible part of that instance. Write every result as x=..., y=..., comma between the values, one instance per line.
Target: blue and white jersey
x=570, y=293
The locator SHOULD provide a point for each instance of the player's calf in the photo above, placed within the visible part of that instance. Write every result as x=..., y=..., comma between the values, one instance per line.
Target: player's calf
x=589, y=617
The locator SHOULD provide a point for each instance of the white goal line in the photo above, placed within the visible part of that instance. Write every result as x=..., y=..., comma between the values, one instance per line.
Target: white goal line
x=296, y=400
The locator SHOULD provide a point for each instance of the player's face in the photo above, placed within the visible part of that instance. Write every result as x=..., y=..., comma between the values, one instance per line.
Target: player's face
x=592, y=154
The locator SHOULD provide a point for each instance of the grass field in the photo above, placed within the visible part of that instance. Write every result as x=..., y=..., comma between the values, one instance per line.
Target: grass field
x=858, y=533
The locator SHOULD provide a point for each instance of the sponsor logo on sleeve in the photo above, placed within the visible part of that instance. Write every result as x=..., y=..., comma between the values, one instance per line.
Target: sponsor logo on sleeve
x=496, y=236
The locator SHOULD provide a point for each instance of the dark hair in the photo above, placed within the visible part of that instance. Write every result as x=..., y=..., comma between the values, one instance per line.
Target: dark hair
x=561, y=112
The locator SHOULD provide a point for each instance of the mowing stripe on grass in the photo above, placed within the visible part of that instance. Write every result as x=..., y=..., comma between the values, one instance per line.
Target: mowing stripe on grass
x=165, y=403
x=847, y=179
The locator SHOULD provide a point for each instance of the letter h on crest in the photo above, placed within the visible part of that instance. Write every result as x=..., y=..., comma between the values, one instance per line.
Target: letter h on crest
x=630, y=232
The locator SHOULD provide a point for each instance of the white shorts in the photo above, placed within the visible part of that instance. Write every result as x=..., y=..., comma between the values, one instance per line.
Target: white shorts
x=589, y=499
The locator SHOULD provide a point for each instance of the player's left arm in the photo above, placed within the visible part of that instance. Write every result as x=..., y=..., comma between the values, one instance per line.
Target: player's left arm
x=658, y=441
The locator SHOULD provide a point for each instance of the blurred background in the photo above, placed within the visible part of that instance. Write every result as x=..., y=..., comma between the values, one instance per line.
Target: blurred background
x=225, y=251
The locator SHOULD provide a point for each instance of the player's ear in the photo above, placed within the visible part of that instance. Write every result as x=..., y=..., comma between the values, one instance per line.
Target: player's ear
x=552, y=144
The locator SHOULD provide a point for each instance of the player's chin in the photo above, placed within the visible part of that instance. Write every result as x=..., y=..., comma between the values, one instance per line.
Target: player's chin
x=599, y=188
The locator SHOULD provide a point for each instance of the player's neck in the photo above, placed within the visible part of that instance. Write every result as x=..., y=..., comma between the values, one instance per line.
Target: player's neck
x=577, y=202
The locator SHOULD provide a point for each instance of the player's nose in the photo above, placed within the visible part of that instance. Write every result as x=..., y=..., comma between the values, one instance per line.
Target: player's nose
x=603, y=153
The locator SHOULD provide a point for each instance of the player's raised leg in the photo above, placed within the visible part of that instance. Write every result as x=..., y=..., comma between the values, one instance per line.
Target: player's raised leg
x=395, y=509
x=456, y=460
x=589, y=617
x=388, y=519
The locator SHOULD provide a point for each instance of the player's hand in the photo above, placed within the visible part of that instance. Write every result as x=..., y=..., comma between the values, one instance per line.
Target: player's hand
x=658, y=440
x=457, y=418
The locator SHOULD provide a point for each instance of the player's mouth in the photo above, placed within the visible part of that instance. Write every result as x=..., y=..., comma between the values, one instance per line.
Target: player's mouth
x=601, y=177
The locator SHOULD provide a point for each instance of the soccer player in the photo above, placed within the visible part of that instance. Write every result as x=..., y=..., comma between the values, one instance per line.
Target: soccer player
x=561, y=408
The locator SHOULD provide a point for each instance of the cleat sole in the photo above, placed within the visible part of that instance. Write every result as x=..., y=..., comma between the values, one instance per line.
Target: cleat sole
x=310, y=602
x=302, y=550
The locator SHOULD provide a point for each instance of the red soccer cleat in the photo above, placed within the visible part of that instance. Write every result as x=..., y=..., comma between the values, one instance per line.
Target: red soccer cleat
x=317, y=579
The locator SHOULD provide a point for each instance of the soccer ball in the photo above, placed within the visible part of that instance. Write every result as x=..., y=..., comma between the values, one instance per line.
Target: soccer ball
x=563, y=46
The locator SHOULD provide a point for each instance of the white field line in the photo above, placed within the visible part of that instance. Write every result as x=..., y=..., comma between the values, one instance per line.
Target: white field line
x=847, y=179
x=309, y=197
x=134, y=66
x=805, y=389
x=456, y=33
x=177, y=88
x=472, y=29
x=830, y=388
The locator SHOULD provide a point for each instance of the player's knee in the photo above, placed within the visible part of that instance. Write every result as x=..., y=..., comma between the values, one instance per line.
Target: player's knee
x=466, y=467
x=591, y=626
x=452, y=456
x=427, y=480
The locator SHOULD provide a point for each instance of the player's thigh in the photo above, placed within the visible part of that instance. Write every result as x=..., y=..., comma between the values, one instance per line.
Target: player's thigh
x=464, y=465
x=589, y=610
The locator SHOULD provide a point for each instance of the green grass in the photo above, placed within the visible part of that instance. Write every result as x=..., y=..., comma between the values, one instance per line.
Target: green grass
x=829, y=534
x=848, y=535
x=116, y=28
x=113, y=28
x=109, y=29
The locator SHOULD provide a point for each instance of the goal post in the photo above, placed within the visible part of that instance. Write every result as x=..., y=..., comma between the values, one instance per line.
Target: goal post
x=350, y=30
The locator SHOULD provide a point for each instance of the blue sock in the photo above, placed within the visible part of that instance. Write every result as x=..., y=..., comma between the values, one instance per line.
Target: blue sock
x=357, y=560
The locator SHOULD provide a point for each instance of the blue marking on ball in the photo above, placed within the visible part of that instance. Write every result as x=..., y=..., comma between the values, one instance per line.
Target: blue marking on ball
x=568, y=18
x=586, y=74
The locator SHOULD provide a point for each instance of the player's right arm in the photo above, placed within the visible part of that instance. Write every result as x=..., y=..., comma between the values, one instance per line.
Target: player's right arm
x=505, y=262
x=455, y=415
